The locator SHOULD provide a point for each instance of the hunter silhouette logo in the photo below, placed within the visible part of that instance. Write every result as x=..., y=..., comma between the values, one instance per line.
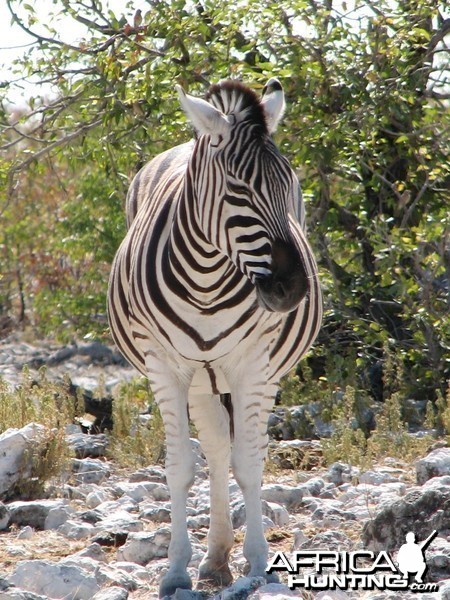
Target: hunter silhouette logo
x=411, y=556
x=359, y=569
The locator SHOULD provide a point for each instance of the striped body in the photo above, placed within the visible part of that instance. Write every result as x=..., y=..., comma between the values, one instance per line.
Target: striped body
x=214, y=291
x=200, y=322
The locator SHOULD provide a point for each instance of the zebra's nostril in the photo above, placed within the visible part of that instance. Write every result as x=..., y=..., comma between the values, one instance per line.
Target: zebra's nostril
x=280, y=290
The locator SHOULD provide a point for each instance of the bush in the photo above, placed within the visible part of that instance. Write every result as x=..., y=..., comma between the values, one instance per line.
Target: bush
x=137, y=438
x=366, y=126
x=49, y=404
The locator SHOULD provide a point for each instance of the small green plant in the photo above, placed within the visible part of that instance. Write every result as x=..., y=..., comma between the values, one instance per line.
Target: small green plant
x=38, y=400
x=48, y=459
x=430, y=416
x=300, y=387
x=390, y=436
x=442, y=422
x=136, y=440
x=347, y=443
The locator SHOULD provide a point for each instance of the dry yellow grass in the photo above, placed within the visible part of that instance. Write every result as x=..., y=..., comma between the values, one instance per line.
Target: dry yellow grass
x=43, y=545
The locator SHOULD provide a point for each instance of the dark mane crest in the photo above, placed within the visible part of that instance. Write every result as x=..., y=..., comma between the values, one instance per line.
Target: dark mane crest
x=233, y=97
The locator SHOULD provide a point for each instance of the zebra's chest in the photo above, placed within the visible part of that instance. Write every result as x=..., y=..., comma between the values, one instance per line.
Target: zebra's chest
x=195, y=331
x=196, y=307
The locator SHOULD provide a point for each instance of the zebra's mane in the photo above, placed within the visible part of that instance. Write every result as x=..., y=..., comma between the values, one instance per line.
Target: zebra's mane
x=233, y=97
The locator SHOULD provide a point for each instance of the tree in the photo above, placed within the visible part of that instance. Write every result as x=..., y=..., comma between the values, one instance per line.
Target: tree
x=367, y=127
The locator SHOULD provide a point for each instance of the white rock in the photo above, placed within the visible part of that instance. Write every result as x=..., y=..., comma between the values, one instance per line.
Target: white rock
x=278, y=514
x=283, y=494
x=243, y=585
x=197, y=522
x=84, y=445
x=273, y=591
x=143, y=490
x=15, y=594
x=299, y=539
x=238, y=515
x=152, y=473
x=94, y=551
x=77, y=492
x=104, y=573
x=74, y=530
x=435, y=464
x=444, y=589
x=350, y=493
x=136, y=491
x=314, y=486
x=15, y=455
x=332, y=595
x=33, y=513
x=26, y=533
x=199, y=497
x=313, y=504
x=437, y=482
x=385, y=491
x=138, y=573
x=376, y=477
x=361, y=511
x=157, y=512
x=330, y=517
x=4, y=516
x=90, y=470
x=120, y=519
x=72, y=428
x=181, y=594
x=57, y=516
x=112, y=593
x=81, y=562
x=97, y=497
x=108, y=575
x=267, y=523
x=340, y=473
x=125, y=504
x=54, y=580
x=142, y=547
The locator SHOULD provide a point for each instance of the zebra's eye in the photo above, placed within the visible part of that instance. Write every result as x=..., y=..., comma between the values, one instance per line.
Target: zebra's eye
x=238, y=187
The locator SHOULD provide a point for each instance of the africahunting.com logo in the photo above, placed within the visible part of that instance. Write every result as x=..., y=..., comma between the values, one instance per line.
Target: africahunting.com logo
x=358, y=570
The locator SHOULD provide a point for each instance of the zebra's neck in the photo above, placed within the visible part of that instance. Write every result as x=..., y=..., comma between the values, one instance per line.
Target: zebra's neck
x=203, y=276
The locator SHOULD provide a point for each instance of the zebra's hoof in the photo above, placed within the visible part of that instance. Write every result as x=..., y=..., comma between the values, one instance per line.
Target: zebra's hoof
x=173, y=581
x=269, y=577
x=272, y=578
x=210, y=575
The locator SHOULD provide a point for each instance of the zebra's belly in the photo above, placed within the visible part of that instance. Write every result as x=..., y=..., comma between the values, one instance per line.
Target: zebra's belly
x=217, y=364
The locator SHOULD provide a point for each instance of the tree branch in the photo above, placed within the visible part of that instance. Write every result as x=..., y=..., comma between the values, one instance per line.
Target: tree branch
x=17, y=168
x=37, y=36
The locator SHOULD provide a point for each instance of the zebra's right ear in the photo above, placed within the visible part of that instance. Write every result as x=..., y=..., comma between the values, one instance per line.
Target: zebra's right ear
x=204, y=117
x=273, y=102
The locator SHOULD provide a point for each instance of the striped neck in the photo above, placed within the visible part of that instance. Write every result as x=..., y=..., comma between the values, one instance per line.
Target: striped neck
x=204, y=276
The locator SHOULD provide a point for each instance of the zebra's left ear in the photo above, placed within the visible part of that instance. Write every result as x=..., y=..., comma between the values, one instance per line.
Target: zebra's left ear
x=273, y=103
x=205, y=117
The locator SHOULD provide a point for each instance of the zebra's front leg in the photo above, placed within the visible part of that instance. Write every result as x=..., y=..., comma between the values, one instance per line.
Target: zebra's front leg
x=213, y=425
x=171, y=396
x=247, y=459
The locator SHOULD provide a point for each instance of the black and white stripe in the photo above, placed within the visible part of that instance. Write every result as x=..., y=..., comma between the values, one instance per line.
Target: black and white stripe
x=215, y=272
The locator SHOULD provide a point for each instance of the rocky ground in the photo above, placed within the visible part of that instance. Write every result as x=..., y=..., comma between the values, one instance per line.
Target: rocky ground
x=103, y=531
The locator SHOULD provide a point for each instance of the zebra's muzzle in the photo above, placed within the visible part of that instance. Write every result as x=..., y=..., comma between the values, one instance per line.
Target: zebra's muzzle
x=287, y=285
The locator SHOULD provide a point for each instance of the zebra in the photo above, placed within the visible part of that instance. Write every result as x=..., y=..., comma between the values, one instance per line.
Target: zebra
x=213, y=296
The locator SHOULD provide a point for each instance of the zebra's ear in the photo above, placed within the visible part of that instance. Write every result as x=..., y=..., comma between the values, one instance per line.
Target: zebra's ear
x=205, y=117
x=273, y=103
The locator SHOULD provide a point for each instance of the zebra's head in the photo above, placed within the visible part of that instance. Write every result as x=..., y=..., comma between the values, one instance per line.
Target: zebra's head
x=245, y=193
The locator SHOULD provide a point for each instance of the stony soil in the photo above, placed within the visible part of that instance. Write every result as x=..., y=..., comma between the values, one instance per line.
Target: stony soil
x=103, y=531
